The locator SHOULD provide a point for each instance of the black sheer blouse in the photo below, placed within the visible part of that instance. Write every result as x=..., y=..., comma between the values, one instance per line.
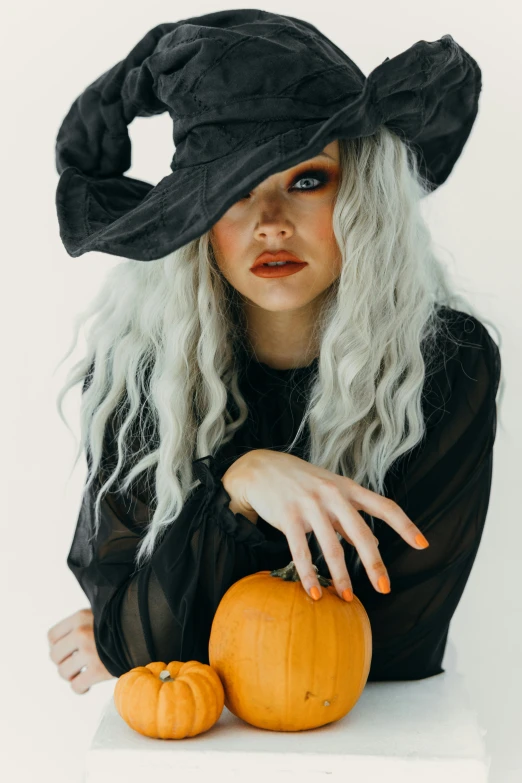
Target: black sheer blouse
x=164, y=610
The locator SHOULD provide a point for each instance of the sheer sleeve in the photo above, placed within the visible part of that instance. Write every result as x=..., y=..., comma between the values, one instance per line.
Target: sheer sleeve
x=443, y=485
x=164, y=610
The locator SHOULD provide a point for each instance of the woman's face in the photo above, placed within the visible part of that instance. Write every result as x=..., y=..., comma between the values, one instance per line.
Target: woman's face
x=290, y=210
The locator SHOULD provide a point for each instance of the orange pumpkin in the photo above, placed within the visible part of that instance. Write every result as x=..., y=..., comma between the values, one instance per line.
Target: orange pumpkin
x=287, y=662
x=170, y=701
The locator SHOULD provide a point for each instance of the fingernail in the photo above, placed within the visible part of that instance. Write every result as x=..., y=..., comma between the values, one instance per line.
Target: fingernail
x=315, y=593
x=421, y=541
x=384, y=584
x=347, y=594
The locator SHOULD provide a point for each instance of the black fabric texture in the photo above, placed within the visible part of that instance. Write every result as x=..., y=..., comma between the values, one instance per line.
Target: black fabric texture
x=164, y=610
x=293, y=92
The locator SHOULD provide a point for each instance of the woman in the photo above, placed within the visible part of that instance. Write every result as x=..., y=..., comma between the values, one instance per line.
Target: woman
x=344, y=414
x=306, y=214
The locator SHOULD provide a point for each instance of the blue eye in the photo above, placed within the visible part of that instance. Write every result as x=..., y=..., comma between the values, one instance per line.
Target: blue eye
x=318, y=174
x=307, y=175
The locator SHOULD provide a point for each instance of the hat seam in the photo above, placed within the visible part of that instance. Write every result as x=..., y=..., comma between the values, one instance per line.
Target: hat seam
x=423, y=64
x=304, y=37
x=88, y=199
x=291, y=32
x=215, y=63
x=201, y=192
x=233, y=152
x=275, y=96
x=162, y=221
x=304, y=79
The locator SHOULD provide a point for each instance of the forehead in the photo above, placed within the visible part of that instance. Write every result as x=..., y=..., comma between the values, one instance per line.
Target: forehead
x=330, y=152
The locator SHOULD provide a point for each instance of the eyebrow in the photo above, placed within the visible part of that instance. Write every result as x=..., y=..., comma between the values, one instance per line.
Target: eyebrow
x=319, y=155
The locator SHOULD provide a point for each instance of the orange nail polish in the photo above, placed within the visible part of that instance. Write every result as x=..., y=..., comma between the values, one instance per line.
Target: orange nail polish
x=314, y=592
x=421, y=541
x=384, y=584
x=347, y=594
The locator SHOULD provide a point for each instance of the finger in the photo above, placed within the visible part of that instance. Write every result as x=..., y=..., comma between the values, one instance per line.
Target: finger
x=339, y=529
x=298, y=545
x=390, y=512
x=60, y=630
x=72, y=666
x=81, y=683
x=331, y=548
x=65, y=626
x=347, y=538
x=64, y=647
x=353, y=523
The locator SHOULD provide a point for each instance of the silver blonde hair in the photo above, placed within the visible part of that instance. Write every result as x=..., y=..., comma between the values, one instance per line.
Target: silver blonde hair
x=168, y=330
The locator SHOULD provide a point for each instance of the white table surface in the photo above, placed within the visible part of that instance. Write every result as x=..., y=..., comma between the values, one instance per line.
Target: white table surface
x=417, y=731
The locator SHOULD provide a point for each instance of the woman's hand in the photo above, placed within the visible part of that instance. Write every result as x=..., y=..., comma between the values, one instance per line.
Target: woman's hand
x=72, y=647
x=297, y=497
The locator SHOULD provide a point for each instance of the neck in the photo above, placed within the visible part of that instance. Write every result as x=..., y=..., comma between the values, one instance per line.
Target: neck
x=282, y=340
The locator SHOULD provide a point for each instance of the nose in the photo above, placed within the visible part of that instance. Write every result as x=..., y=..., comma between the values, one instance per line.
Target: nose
x=273, y=228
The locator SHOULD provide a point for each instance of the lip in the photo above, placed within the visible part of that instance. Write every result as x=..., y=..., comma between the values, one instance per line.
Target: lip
x=278, y=271
x=280, y=255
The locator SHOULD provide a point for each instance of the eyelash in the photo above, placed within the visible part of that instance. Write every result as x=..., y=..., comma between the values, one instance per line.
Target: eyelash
x=311, y=173
x=318, y=174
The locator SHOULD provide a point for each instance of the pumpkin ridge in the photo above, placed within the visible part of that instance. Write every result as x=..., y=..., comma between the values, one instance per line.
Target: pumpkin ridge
x=187, y=700
x=287, y=656
x=245, y=634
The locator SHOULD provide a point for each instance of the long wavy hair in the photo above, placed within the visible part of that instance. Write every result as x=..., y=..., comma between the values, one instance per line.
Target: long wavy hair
x=167, y=331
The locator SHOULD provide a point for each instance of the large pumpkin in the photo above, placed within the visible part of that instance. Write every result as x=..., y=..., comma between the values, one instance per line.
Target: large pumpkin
x=287, y=662
x=171, y=701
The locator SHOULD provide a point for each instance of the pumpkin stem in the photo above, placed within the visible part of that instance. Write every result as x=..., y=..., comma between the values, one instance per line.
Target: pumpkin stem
x=165, y=676
x=289, y=574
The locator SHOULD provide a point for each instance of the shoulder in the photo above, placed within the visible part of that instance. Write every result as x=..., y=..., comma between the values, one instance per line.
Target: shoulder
x=471, y=339
x=465, y=367
x=465, y=338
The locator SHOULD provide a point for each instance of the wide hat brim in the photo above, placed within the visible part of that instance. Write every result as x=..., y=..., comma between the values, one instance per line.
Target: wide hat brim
x=427, y=94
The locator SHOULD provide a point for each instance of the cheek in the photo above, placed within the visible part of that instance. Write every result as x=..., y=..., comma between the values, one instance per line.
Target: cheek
x=224, y=239
x=325, y=242
x=321, y=225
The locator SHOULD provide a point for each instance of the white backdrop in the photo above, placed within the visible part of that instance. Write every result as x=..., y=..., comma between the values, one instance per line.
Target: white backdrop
x=50, y=52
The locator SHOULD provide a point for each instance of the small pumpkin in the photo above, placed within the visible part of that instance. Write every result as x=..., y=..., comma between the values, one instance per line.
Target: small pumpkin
x=171, y=701
x=287, y=662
